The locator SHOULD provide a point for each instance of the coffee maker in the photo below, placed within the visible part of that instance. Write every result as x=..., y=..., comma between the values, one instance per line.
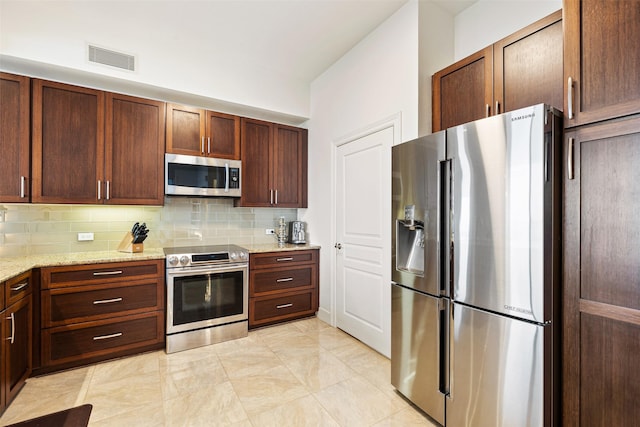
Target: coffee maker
x=297, y=232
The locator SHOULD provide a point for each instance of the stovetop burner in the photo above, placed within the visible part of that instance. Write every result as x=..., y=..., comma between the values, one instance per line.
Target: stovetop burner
x=185, y=256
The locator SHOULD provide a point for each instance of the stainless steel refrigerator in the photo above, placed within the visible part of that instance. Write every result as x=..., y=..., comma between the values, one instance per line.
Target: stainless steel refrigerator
x=476, y=270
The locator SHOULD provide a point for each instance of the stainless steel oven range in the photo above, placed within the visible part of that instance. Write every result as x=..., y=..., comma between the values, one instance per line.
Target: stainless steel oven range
x=207, y=295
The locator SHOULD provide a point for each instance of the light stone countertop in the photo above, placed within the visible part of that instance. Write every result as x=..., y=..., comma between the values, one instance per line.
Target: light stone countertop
x=11, y=267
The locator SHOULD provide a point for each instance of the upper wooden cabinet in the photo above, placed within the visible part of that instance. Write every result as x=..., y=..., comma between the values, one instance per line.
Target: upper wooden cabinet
x=94, y=147
x=197, y=132
x=15, y=177
x=601, y=60
x=463, y=91
x=134, y=150
x=522, y=69
x=274, y=165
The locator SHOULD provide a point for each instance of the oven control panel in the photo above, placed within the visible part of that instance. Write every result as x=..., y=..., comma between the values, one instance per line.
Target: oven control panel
x=205, y=255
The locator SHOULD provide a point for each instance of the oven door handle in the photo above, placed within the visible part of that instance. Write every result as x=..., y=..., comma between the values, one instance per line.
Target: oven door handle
x=190, y=271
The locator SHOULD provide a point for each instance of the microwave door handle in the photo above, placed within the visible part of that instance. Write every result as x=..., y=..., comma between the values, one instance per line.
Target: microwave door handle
x=226, y=179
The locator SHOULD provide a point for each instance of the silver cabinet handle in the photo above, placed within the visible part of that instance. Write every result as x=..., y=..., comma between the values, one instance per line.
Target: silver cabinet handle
x=202, y=145
x=570, y=98
x=12, y=338
x=288, y=279
x=276, y=197
x=284, y=306
x=23, y=180
x=20, y=287
x=488, y=109
x=107, y=273
x=108, y=185
x=107, y=301
x=106, y=337
x=284, y=259
x=570, y=159
x=208, y=145
x=270, y=197
x=497, y=107
x=99, y=188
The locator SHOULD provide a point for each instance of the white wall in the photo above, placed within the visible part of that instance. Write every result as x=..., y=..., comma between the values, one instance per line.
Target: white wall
x=488, y=21
x=375, y=80
x=49, y=39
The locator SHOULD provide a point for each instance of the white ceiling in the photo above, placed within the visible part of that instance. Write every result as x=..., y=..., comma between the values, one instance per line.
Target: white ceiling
x=296, y=38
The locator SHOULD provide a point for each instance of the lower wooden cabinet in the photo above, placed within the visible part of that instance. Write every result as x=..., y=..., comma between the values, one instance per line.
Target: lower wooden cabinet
x=16, y=337
x=282, y=286
x=601, y=283
x=96, y=312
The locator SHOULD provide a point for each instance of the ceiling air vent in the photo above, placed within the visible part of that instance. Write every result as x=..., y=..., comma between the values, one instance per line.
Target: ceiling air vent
x=111, y=58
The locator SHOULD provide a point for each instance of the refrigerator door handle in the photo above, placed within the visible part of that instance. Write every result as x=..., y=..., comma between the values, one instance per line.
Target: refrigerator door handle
x=444, y=228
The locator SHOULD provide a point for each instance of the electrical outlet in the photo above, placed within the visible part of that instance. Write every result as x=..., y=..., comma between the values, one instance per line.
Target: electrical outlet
x=269, y=231
x=85, y=237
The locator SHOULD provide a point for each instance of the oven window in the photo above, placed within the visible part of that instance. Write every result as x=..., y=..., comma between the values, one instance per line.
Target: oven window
x=207, y=296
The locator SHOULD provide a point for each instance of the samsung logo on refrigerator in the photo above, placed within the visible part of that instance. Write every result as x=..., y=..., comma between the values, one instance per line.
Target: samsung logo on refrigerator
x=524, y=116
x=518, y=309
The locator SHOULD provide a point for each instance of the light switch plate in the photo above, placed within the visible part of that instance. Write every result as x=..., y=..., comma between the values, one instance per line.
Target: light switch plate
x=85, y=237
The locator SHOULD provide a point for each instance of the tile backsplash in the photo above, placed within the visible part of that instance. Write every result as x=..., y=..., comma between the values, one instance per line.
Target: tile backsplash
x=43, y=229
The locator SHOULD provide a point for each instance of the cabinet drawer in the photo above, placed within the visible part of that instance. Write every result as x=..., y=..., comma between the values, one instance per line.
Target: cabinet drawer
x=79, y=304
x=281, y=279
x=17, y=288
x=86, y=274
x=267, y=310
x=279, y=259
x=82, y=341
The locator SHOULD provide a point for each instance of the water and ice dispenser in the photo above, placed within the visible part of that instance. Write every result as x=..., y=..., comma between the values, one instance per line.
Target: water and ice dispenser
x=410, y=247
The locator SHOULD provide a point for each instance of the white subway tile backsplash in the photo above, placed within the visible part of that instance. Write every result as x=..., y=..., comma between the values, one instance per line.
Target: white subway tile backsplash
x=182, y=221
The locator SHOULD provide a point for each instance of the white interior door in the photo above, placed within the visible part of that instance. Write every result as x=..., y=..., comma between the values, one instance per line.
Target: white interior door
x=363, y=233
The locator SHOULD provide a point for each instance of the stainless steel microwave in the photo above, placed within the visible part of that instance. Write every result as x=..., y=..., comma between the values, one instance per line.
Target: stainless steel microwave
x=201, y=176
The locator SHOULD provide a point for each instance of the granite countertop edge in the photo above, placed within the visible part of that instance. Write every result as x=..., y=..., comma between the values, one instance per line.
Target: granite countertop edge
x=14, y=266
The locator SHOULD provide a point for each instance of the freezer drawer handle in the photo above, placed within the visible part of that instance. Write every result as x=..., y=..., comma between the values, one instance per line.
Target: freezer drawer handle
x=106, y=337
x=288, y=279
x=107, y=301
x=284, y=306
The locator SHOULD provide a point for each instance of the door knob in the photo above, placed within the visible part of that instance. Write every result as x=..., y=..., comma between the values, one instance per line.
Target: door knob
x=338, y=246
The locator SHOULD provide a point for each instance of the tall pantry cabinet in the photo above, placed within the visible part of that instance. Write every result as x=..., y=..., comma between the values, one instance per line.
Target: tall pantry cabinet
x=601, y=278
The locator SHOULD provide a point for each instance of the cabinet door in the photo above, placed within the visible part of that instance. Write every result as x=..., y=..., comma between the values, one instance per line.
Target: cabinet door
x=528, y=66
x=185, y=130
x=134, y=150
x=223, y=135
x=17, y=328
x=290, y=167
x=67, y=143
x=463, y=92
x=602, y=59
x=257, y=139
x=14, y=139
x=601, y=296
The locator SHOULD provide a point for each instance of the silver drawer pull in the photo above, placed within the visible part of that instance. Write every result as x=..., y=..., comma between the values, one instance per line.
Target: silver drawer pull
x=288, y=279
x=107, y=301
x=284, y=306
x=106, y=337
x=20, y=287
x=107, y=273
x=284, y=259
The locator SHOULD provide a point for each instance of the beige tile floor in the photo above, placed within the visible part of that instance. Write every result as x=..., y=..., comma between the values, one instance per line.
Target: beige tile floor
x=302, y=373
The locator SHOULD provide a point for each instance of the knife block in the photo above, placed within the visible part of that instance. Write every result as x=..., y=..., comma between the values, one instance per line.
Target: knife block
x=127, y=245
